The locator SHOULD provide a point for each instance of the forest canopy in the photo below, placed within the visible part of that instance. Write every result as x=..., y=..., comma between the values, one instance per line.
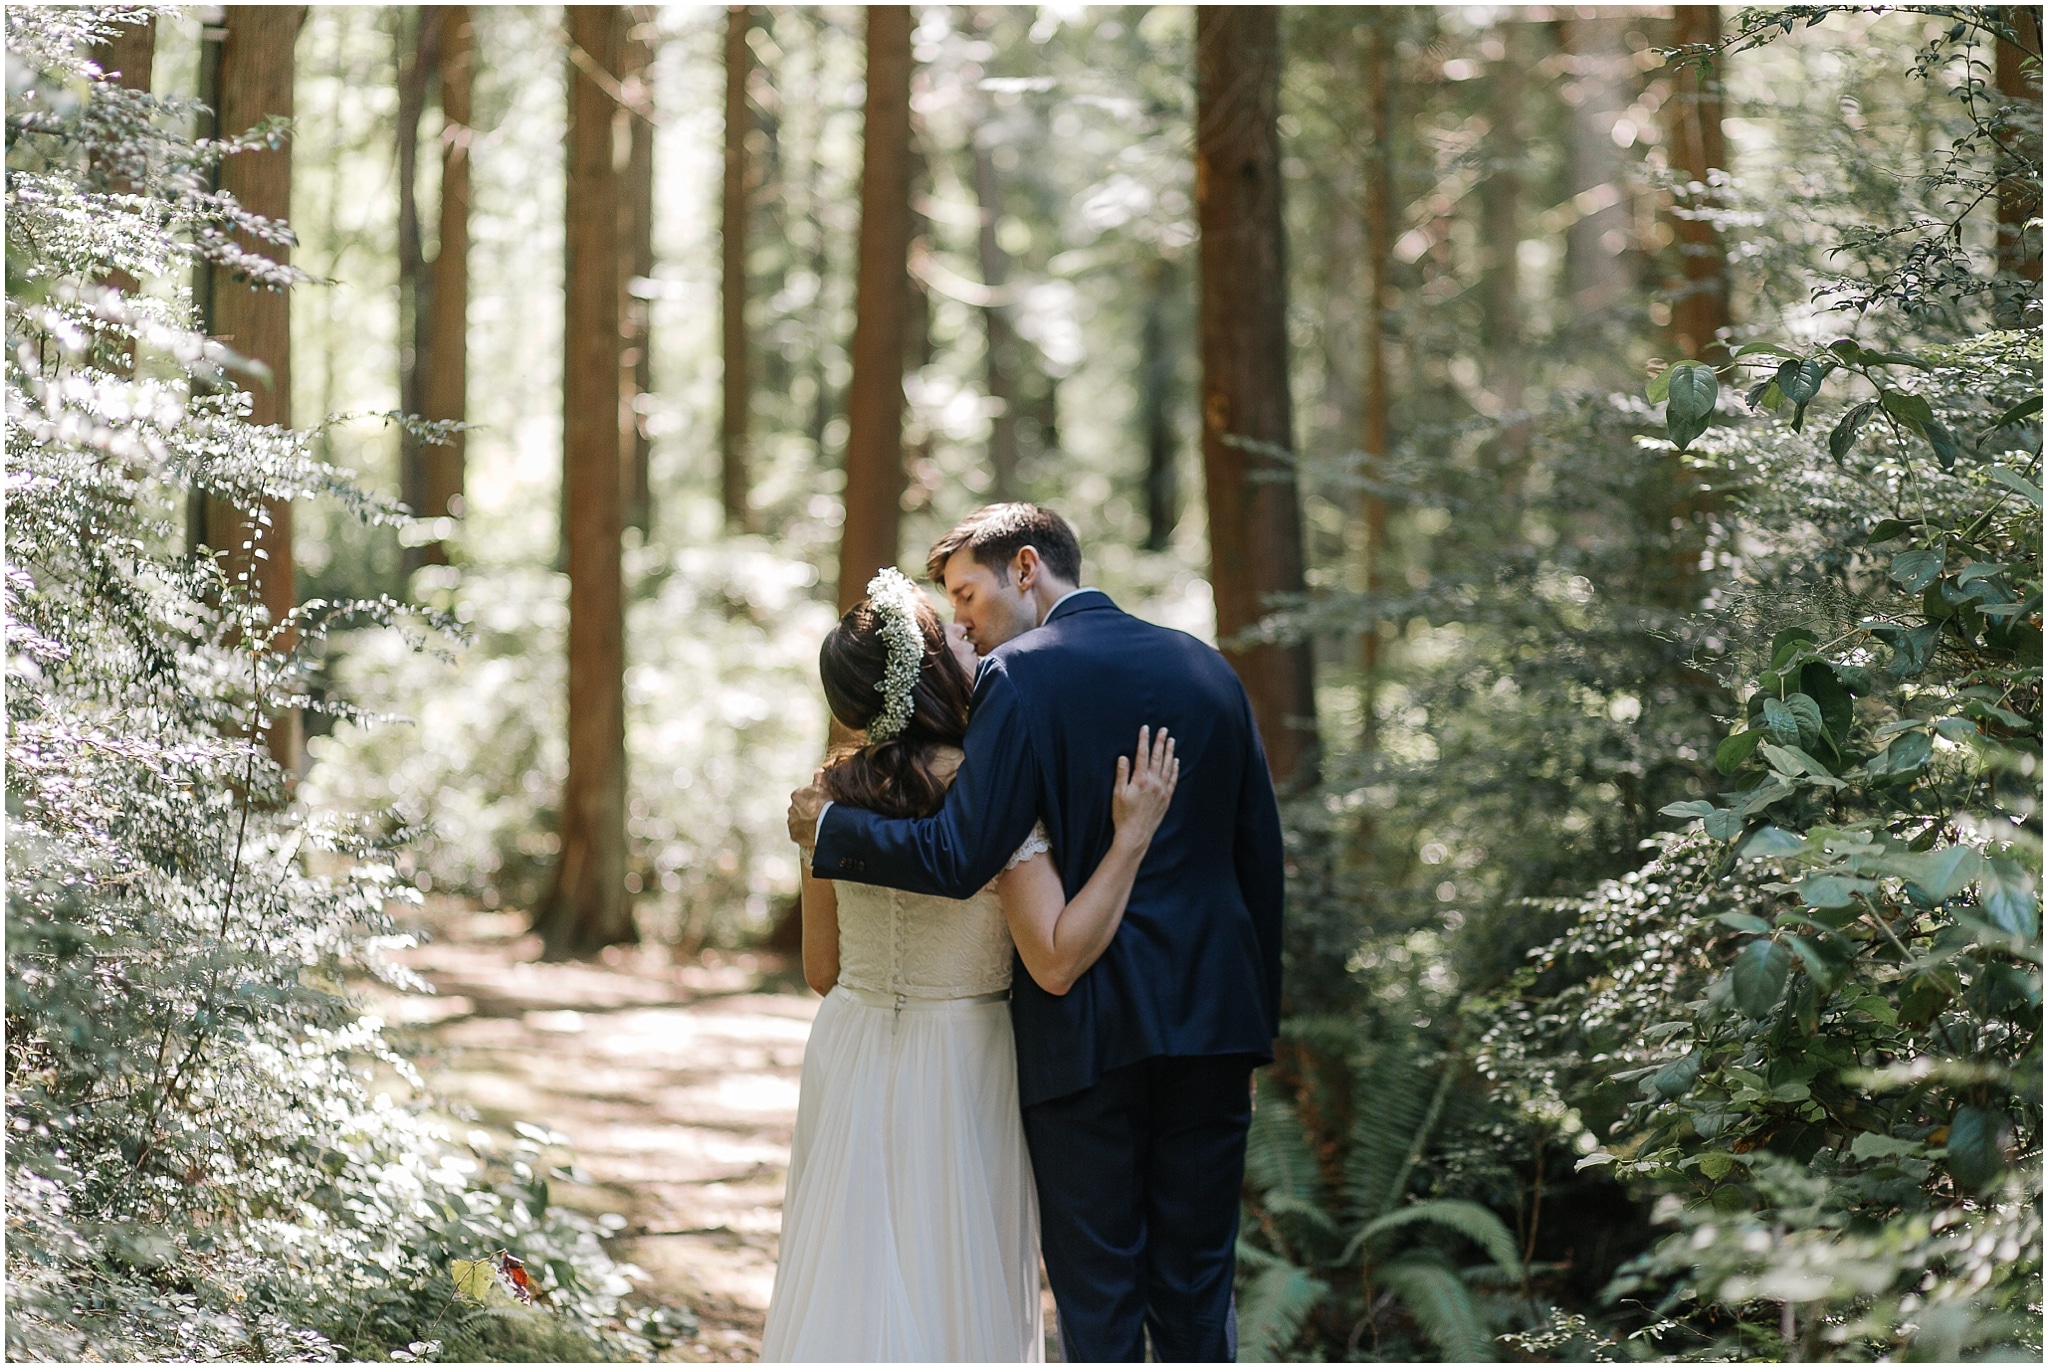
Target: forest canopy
x=1607, y=441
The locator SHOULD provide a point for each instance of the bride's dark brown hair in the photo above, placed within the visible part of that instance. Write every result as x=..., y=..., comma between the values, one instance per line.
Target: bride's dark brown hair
x=897, y=777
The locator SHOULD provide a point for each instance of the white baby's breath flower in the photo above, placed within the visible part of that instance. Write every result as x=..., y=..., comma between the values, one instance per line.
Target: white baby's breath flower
x=895, y=601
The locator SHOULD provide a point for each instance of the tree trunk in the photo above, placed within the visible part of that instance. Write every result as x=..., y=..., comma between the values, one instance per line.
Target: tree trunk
x=126, y=59
x=587, y=908
x=415, y=287
x=739, y=62
x=444, y=387
x=2019, y=199
x=1596, y=277
x=1255, y=532
x=636, y=261
x=1700, y=307
x=874, y=400
x=1500, y=234
x=1155, y=403
x=999, y=332
x=1374, y=432
x=255, y=83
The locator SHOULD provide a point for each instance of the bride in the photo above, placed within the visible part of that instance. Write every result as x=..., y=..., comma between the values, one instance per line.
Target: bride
x=910, y=1224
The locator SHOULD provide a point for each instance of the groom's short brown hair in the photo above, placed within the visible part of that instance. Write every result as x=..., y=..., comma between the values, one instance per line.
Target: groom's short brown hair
x=997, y=532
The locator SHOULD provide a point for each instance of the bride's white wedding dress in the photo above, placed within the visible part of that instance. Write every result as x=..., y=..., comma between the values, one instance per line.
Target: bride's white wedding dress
x=910, y=1224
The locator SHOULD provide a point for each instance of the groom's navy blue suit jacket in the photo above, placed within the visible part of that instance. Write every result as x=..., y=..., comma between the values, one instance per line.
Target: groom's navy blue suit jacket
x=1195, y=967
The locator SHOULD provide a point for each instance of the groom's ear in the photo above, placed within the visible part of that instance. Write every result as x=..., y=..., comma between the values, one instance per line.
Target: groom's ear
x=1024, y=568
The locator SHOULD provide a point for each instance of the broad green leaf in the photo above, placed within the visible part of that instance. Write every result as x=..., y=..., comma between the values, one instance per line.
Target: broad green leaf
x=1958, y=728
x=1760, y=972
x=1744, y=921
x=1717, y=1164
x=1977, y=570
x=1913, y=651
x=1698, y=807
x=1916, y=569
x=1889, y=528
x=1807, y=713
x=1765, y=349
x=1848, y=428
x=1781, y=722
x=1801, y=380
x=1772, y=842
x=1940, y=874
x=2025, y=408
x=1816, y=964
x=1786, y=644
x=1832, y=890
x=1692, y=391
x=1723, y=825
x=1942, y=440
x=1976, y=1147
x=2013, y=480
x=1729, y=755
x=1846, y=348
x=1823, y=683
x=1870, y=1145
x=2006, y=891
x=1907, y=408
x=1659, y=388
x=1676, y=1078
x=1762, y=796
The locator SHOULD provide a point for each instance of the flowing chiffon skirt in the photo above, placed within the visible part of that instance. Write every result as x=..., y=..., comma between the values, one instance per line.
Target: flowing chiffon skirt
x=910, y=1224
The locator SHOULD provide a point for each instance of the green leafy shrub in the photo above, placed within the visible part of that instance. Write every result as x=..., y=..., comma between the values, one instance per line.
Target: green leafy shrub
x=1812, y=1021
x=197, y=1164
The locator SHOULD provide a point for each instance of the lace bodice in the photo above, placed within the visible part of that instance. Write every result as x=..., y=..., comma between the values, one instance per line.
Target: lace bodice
x=920, y=946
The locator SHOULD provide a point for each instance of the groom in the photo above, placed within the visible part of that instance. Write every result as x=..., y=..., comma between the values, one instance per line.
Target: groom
x=1133, y=1083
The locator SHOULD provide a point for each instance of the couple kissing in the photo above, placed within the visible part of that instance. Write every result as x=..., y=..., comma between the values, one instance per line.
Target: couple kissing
x=1042, y=896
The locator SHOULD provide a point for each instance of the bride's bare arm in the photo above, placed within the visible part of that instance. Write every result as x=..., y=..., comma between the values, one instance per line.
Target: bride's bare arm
x=821, y=929
x=1059, y=940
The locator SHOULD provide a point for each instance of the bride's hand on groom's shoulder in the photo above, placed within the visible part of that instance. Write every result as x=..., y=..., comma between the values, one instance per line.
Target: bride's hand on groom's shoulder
x=1144, y=787
x=804, y=806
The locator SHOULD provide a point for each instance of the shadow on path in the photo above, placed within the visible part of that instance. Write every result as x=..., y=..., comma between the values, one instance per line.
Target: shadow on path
x=674, y=1084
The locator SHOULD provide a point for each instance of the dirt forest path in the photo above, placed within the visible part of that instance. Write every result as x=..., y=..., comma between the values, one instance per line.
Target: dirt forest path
x=675, y=1084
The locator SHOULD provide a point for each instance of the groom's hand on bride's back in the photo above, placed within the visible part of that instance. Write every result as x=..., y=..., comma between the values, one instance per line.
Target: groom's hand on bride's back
x=804, y=806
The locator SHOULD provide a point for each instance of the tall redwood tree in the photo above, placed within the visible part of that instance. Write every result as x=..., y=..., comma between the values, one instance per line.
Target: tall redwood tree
x=732, y=436
x=444, y=384
x=1247, y=416
x=1699, y=309
x=874, y=400
x=254, y=83
x=587, y=908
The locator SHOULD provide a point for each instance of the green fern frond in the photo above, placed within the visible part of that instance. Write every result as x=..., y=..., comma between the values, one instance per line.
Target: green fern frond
x=1277, y=1158
x=1443, y=1307
x=1469, y=1219
x=1273, y=1307
x=1392, y=1121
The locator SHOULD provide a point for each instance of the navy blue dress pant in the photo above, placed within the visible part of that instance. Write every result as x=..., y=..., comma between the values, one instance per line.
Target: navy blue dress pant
x=1139, y=1179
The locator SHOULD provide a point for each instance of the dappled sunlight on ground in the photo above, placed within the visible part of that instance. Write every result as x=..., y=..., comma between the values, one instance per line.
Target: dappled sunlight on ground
x=675, y=1085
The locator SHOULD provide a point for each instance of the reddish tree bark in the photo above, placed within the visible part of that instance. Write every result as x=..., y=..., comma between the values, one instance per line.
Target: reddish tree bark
x=2019, y=251
x=874, y=400
x=636, y=261
x=587, y=908
x=1700, y=309
x=416, y=68
x=1247, y=415
x=444, y=387
x=255, y=83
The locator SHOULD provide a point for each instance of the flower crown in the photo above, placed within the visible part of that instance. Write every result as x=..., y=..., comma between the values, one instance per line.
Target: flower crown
x=895, y=601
